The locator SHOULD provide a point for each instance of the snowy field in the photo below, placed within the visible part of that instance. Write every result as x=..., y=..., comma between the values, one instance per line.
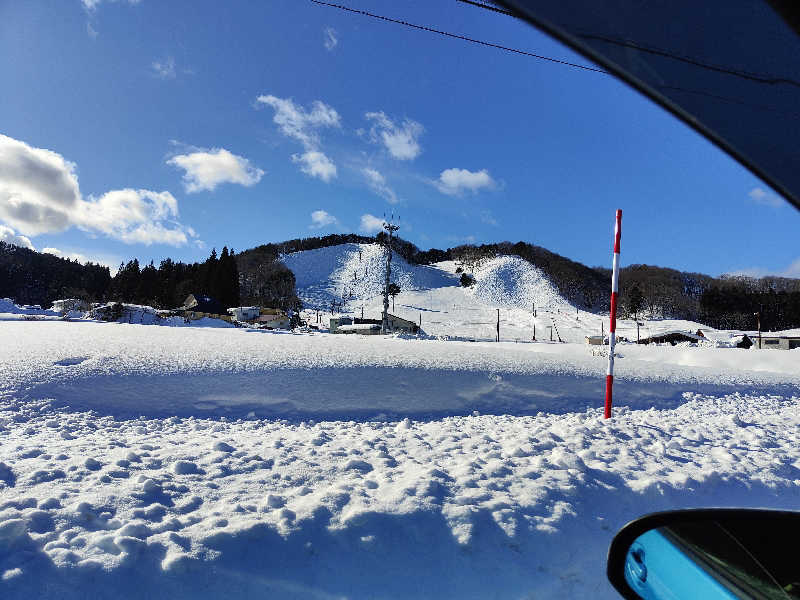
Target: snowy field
x=169, y=462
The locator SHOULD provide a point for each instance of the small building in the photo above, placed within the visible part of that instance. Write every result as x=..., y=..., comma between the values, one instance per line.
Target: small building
x=274, y=320
x=197, y=306
x=372, y=326
x=673, y=337
x=778, y=342
x=595, y=340
x=404, y=325
x=68, y=304
x=245, y=313
x=205, y=304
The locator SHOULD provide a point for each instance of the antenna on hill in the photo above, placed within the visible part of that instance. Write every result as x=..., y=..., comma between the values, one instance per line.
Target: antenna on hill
x=390, y=228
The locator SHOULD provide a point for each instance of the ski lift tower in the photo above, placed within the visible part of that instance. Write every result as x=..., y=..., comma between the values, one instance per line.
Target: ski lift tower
x=390, y=229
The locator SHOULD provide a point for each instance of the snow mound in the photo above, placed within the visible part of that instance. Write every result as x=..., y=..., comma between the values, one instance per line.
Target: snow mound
x=137, y=314
x=9, y=310
x=512, y=282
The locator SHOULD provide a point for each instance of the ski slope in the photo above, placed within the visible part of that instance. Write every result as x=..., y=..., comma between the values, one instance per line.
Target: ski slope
x=352, y=275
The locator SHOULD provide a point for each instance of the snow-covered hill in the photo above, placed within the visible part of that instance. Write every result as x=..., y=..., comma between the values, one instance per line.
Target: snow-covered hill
x=353, y=274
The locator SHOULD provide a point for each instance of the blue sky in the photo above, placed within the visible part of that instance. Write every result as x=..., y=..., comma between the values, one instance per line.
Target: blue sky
x=155, y=129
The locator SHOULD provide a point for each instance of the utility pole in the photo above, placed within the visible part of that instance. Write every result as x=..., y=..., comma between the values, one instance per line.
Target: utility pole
x=637, y=331
x=758, y=317
x=498, y=324
x=534, y=331
x=390, y=229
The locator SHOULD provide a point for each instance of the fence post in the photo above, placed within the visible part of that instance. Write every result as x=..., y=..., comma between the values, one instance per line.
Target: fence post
x=612, y=329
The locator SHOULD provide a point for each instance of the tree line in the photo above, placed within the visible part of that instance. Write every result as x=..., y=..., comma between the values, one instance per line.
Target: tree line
x=169, y=284
x=31, y=277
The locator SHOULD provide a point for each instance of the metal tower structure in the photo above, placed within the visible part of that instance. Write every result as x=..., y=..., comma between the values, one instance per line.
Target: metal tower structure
x=390, y=229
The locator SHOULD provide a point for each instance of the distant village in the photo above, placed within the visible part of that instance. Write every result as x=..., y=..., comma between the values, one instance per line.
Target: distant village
x=197, y=306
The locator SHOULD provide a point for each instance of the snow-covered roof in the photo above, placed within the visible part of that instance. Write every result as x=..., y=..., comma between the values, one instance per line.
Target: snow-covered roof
x=359, y=327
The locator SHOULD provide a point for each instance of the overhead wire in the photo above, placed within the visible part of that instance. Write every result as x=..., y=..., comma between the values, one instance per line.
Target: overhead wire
x=462, y=37
x=559, y=61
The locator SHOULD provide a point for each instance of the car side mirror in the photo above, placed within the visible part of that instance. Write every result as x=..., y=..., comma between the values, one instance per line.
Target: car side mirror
x=708, y=553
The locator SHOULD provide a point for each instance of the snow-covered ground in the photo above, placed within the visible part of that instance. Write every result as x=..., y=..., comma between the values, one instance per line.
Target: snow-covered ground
x=207, y=461
x=167, y=462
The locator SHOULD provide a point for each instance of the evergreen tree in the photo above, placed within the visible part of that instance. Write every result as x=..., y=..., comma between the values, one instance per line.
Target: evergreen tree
x=635, y=301
x=210, y=273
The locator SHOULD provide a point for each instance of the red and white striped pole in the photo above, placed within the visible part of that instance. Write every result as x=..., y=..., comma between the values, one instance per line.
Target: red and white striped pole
x=612, y=335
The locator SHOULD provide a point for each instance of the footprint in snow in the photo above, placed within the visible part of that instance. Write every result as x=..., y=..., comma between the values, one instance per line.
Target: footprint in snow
x=70, y=361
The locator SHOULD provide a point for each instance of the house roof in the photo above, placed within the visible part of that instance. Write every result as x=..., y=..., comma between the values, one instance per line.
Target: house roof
x=396, y=318
x=674, y=334
x=202, y=303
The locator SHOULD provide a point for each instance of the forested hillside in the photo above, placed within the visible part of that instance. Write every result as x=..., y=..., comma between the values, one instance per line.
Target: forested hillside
x=35, y=278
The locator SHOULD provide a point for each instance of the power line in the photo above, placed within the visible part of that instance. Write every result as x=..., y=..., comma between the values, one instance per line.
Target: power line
x=757, y=77
x=558, y=61
x=462, y=37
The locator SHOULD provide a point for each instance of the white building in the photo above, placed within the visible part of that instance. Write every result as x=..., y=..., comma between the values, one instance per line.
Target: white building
x=277, y=320
x=245, y=313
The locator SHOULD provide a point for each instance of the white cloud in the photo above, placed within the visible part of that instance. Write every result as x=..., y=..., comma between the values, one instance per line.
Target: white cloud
x=321, y=218
x=206, y=169
x=793, y=270
x=316, y=164
x=81, y=258
x=91, y=5
x=330, y=40
x=9, y=236
x=112, y=262
x=164, y=69
x=135, y=217
x=39, y=193
x=298, y=123
x=402, y=141
x=371, y=223
x=303, y=125
x=766, y=198
x=377, y=183
x=488, y=218
x=455, y=182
